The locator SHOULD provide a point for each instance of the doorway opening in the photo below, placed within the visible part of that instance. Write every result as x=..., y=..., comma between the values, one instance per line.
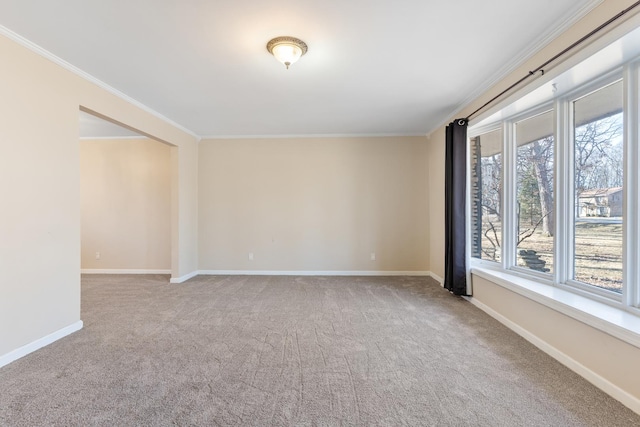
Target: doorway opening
x=126, y=200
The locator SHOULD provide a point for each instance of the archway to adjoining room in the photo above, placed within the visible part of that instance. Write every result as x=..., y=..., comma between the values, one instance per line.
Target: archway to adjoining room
x=126, y=199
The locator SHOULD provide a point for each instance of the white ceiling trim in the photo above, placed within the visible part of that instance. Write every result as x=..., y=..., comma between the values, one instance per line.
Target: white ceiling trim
x=70, y=67
x=316, y=135
x=569, y=19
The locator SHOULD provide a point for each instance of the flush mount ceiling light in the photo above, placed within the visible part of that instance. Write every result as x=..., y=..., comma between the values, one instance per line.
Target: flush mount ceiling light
x=287, y=49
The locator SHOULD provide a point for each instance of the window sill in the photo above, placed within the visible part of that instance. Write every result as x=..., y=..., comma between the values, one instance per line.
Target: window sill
x=608, y=319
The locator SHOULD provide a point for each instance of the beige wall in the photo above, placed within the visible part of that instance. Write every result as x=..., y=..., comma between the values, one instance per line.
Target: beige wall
x=436, y=154
x=314, y=204
x=125, y=193
x=40, y=192
x=184, y=204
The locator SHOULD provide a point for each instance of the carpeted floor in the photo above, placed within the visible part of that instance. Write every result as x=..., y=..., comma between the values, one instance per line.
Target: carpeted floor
x=303, y=351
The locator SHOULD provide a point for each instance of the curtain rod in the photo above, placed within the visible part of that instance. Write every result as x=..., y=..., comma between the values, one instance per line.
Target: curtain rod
x=540, y=68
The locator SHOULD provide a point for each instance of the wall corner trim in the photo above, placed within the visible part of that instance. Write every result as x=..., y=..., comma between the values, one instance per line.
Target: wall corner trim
x=436, y=277
x=602, y=383
x=39, y=343
x=184, y=278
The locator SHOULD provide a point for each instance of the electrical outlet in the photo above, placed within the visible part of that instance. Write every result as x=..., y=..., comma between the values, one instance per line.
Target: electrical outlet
x=250, y=256
x=97, y=255
x=373, y=256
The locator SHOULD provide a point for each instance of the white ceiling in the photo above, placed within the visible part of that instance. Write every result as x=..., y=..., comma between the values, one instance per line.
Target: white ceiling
x=374, y=67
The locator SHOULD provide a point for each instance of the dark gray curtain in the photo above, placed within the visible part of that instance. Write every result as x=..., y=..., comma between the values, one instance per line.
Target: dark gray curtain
x=455, y=274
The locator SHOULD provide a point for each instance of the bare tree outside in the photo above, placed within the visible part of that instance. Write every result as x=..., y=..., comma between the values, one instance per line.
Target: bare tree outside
x=534, y=171
x=598, y=183
x=598, y=154
x=599, y=172
x=534, y=192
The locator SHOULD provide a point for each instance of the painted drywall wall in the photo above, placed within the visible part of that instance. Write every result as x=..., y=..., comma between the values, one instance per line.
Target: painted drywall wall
x=606, y=361
x=184, y=218
x=40, y=192
x=436, y=155
x=125, y=194
x=314, y=204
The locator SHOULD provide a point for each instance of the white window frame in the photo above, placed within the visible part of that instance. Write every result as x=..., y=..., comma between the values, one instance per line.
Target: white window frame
x=513, y=196
x=478, y=131
x=567, y=166
x=629, y=299
x=631, y=204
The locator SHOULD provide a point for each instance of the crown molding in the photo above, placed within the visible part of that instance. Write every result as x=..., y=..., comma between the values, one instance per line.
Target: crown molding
x=316, y=135
x=77, y=71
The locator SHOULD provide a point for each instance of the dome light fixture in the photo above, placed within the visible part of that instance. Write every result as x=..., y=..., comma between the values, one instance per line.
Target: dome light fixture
x=287, y=49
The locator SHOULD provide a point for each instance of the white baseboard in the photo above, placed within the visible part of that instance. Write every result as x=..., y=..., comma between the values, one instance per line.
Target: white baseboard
x=309, y=273
x=184, y=278
x=122, y=271
x=39, y=343
x=602, y=383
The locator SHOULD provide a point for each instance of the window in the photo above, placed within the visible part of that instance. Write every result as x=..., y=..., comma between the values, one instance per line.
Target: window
x=555, y=181
x=486, y=200
x=598, y=188
x=534, y=192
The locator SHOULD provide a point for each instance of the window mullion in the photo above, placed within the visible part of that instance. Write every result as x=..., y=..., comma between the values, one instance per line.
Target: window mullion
x=563, y=252
x=509, y=197
x=631, y=200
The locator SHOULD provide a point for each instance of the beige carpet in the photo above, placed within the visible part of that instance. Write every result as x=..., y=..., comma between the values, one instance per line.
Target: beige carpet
x=303, y=351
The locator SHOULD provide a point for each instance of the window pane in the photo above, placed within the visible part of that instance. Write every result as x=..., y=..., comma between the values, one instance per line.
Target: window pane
x=598, y=178
x=486, y=195
x=534, y=192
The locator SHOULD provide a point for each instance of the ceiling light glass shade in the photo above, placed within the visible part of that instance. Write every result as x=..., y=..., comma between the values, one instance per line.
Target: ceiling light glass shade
x=287, y=49
x=286, y=53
